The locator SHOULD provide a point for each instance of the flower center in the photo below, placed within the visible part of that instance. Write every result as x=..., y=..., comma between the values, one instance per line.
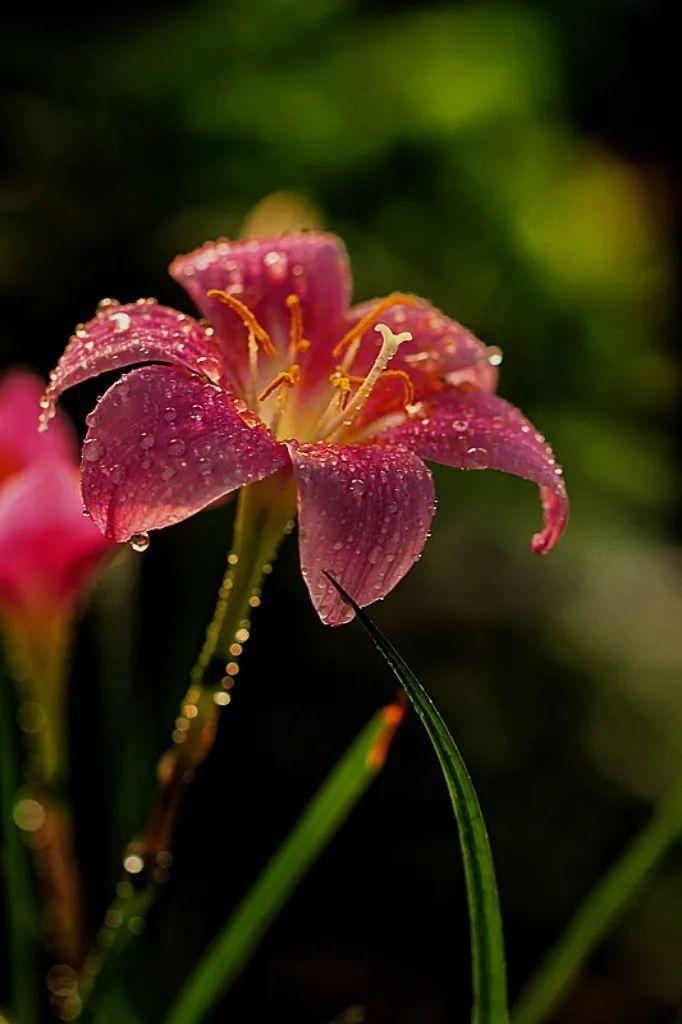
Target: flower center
x=350, y=392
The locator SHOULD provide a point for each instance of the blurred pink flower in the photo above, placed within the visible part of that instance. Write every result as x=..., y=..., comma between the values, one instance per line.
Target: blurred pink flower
x=286, y=377
x=48, y=549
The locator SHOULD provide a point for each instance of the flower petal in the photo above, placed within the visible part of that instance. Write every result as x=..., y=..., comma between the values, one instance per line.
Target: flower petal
x=48, y=548
x=364, y=516
x=440, y=348
x=21, y=444
x=475, y=430
x=262, y=273
x=139, y=332
x=163, y=444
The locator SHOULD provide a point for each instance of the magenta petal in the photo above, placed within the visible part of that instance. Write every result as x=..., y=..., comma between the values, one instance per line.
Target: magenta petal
x=364, y=516
x=21, y=444
x=139, y=332
x=163, y=444
x=476, y=430
x=440, y=347
x=48, y=549
x=262, y=273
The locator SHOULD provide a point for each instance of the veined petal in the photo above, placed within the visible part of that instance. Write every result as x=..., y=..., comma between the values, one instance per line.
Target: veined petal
x=164, y=443
x=477, y=430
x=440, y=348
x=140, y=332
x=364, y=516
x=48, y=549
x=261, y=273
x=21, y=444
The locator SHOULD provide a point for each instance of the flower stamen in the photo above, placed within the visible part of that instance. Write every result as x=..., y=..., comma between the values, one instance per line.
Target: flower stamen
x=255, y=329
x=351, y=340
x=297, y=343
x=389, y=346
x=286, y=378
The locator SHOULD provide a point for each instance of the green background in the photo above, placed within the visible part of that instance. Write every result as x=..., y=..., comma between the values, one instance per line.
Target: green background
x=512, y=163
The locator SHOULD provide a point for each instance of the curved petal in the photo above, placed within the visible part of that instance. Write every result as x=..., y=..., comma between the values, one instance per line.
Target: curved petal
x=163, y=444
x=364, y=516
x=48, y=548
x=475, y=430
x=140, y=332
x=440, y=348
x=21, y=444
x=261, y=273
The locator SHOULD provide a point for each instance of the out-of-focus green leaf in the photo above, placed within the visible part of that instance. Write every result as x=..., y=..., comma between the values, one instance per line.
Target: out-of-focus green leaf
x=487, y=938
x=598, y=914
x=329, y=808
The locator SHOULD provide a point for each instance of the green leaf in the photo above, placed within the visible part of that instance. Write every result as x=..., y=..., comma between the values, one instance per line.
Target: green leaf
x=487, y=938
x=598, y=914
x=329, y=808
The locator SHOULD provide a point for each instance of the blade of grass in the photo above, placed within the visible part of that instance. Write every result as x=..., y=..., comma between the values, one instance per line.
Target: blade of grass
x=601, y=910
x=487, y=938
x=21, y=919
x=327, y=811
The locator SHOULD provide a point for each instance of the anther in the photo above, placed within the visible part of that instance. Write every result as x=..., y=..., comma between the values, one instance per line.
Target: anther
x=255, y=329
x=297, y=343
x=286, y=378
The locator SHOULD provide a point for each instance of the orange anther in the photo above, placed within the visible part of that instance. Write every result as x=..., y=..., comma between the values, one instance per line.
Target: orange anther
x=247, y=318
x=394, y=299
x=286, y=378
x=297, y=343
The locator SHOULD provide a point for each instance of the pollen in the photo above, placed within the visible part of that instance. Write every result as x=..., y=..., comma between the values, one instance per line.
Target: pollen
x=286, y=378
x=297, y=343
x=255, y=329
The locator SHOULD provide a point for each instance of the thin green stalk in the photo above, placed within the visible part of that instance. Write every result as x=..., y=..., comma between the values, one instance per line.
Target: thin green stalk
x=489, y=980
x=607, y=901
x=263, y=517
x=329, y=808
x=21, y=922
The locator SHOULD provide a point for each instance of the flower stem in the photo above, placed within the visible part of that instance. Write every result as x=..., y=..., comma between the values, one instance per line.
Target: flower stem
x=264, y=516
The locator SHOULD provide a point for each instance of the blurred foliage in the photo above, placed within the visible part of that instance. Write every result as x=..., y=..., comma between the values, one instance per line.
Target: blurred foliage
x=508, y=161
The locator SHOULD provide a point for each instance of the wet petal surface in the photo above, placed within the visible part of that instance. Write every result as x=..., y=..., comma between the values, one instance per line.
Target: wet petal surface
x=261, y=273
x=164, y=443
x=139, y=332
x=476, y=430
x=364, y=516
x=440, y=347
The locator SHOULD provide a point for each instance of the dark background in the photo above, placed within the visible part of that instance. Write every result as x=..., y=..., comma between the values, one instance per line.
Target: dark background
x=513, y=163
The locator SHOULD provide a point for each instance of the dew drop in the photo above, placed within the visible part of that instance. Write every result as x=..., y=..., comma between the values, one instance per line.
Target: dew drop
x=276, y=265
x=210, y=367
x=106, y=304
x=139, y=541
x=176, y=446
x=167, y=473
x=204, y=467
x=93, y=450
x=477, y=458
x=169, y=414
x=117, y=474
x=146, y=442
x=121, y=321
x=196, y=413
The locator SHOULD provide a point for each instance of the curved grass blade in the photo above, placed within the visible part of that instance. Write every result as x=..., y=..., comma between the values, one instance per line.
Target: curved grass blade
x=327, y=811
x=598, y=914
x=487, y=938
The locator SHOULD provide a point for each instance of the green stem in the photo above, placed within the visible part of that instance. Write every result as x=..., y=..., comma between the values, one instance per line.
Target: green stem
x=263, y=518
x=19, y=900
x=601, y=910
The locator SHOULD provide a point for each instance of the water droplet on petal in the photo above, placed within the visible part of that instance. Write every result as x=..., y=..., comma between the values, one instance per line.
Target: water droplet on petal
x=477, y=458
x=93, y=450
x=204, y=467
x=276, y=265
x=139, y=541
x=117, y=474
x=176, y=446
x=169, y=414
x=121, y=321
x=146, y=441
x=196, y=413
x=210, y=367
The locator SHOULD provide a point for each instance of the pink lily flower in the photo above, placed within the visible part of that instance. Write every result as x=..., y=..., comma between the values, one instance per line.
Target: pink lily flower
x=285, y=377
x=48, y=549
